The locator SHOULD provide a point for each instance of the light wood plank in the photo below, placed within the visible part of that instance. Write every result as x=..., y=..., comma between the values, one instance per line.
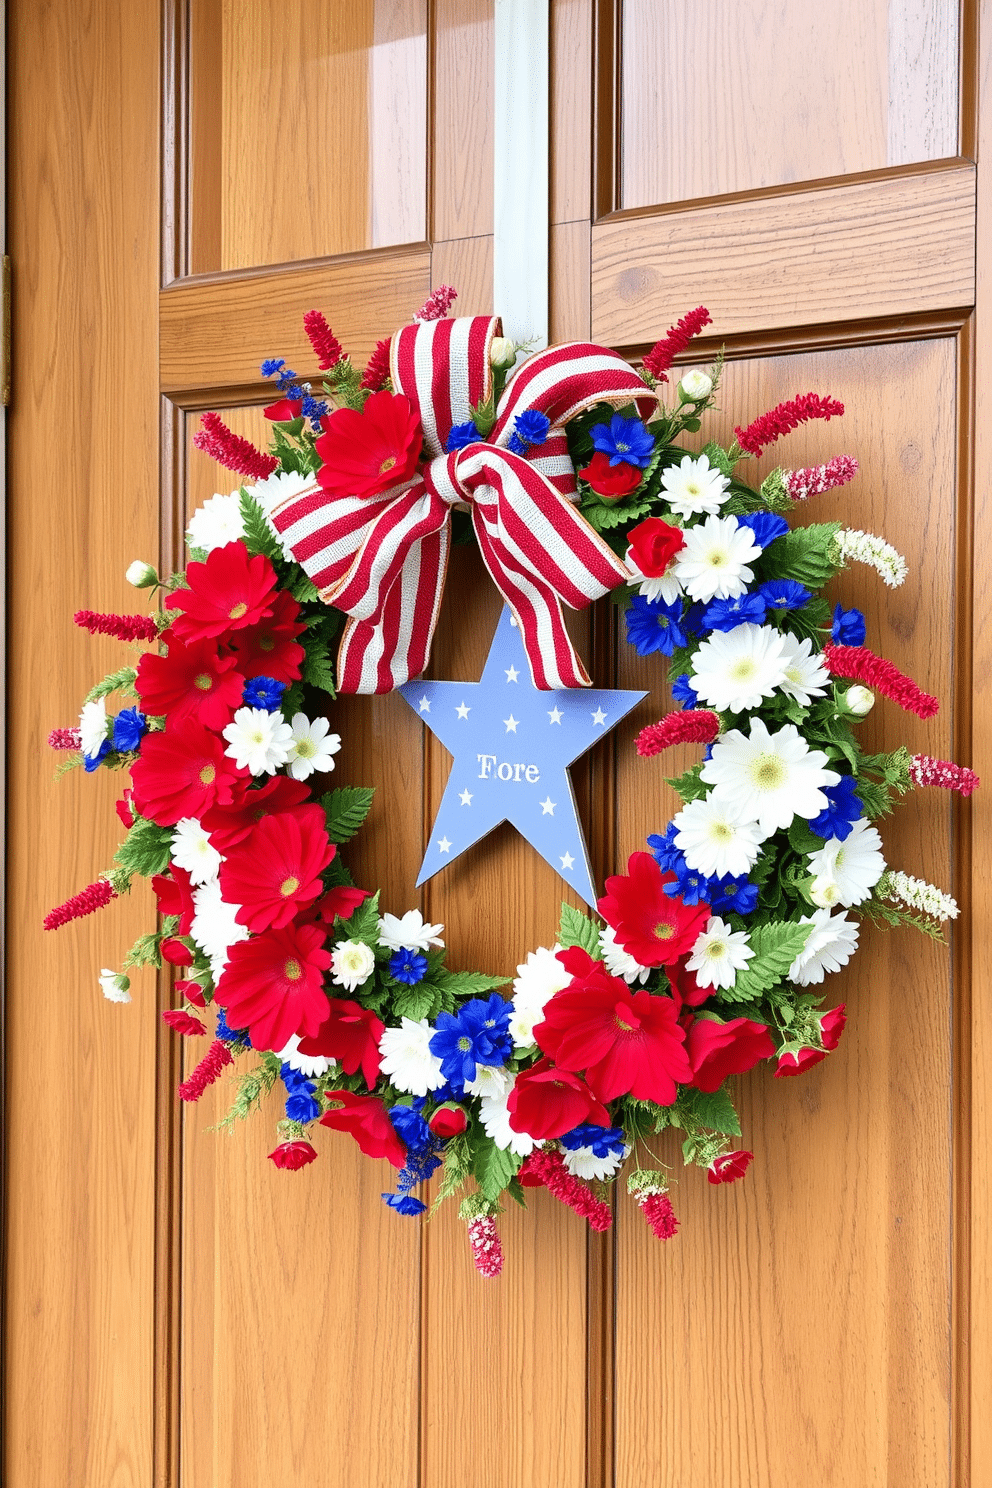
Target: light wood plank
x=462, y=145
x=467, y=265
x=571, y=109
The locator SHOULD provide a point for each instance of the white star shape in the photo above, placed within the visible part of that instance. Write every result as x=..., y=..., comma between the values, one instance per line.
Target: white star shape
x=599, y=716
x=444, y=845
x=511, y=724
x=567, y=862
x=465, y=797
x=462, y=710
x=548, y=806
x=512, y=675
x=556, y=716
x=425, y=704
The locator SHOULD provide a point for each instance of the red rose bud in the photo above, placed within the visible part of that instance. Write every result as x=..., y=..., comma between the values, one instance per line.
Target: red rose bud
x=285, y=411
x=181, y=1022
x=448, y=1120
x=293, y=1155
x=192, y=991
x=653, y=545
x=176, y=953
x=729, y=1167
x=611, y=481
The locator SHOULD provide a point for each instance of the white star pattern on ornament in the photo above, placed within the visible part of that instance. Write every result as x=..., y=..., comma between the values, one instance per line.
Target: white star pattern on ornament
x=444, y=845
x=462, y=711
x=555, y=715
x=548, y=806
x=599, y=717
x=511, y=724
x=567, y=861
x=424, y=705
x=512, y=675
x=465, y=797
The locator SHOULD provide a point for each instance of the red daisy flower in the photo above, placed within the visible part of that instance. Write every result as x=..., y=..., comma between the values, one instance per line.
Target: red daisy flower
x=653, y=545
x=627, y=1042
x=365, y=453
x=609, y=480
x=718, y=1049
x=368, y=1121
x=351, y=1035
x=270, y=648
x=226, y=593
x=174, y=892
x=191, y=682
x=229, y=825
x=655, y=928
x=277, y=871
x=273, y=985
x=182, y=772
x=546, y=1102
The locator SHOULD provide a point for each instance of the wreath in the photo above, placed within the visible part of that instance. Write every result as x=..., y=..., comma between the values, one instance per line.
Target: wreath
x=707, y=956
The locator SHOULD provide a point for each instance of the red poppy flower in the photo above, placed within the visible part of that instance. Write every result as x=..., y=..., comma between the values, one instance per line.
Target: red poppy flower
x=183, y=772
x=270, y=648
x=797, y=1062
x=174, y=892
x=293, y=1155
x=729, y=1167
x=226, y=593
x=368, y=1121
x=285, y=411
x=656, y=929
x=653, y=545
x=627, y=1042
x=718, y=1049
x=191, y=682
x=368, y=452
x=611, y=480
x=176, y=953
x=546, y=1102
x=272, y=985
x=229, y=825
x=448, y=1120
x=351, y=1035
x=277, y=871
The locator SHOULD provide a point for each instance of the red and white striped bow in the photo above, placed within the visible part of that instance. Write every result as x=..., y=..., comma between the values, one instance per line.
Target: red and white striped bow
x=382, y=559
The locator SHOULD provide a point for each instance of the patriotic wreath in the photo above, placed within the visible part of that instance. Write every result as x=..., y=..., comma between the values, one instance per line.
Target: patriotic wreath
x=709, y=953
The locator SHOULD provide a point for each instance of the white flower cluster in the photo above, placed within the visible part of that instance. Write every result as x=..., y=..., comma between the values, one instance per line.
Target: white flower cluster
x=845, y=872
x=865, y=547
x=916, y=893
x=262, y=742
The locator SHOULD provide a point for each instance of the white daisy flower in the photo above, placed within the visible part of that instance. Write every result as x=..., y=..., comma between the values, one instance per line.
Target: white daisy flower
x=806, y=676
x=769, y=778
x=192, y=849
x=280, y=486
x=666, y=586
x=536, y=982
x=93, y=727
x=216, y=523
x=584, y=1163
x=712, y=839
x=618, y=962
x=215, y=928
x=713, y=563
x=831, y=944
x=352, y=963
x=408, y=933
x=488, y=1082
x=313, y=746
x=495, y=1117
x=407, y=1058
x=258, y=741
x=853, y=866
x=310, y=1065
x=693, y=489
x=114, y=985
x=737, y=669
x=916, y=893
x=719, y=953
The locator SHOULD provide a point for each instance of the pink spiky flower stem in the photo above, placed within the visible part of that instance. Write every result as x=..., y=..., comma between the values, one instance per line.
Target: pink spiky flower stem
x=547, y=1165
x=785, y=417
x=814, y=480
x=437, y=303
x=326, y=346
x=650, y=1191
x=487, y=1251
x=207, y=1071
x=925, y=770
x=375, y=374
x=92, y=898
x=215, y=439
x=122, y=627
x=692, y=726
x=862, y=665
x=663, y=352
x=65, y=738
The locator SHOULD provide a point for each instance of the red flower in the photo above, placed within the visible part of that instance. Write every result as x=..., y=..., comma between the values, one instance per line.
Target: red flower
x=93, y=897
x=368, y=1121
x=448, y=1120
x=655, y=928
x=122, y=627
x=229, y=825
x=627, y=1042
x=663, y=352
x=123, y=808
x=191, y=682
x=862, y=665
x=546, y=1166
x=653, y=545
x=192, y=991
x=783, y=418
x=174, y=892
x=270, y=648
x=285, y=411
x=209, y=1069
x=685, y=989
x=326, y=346
x=176, y=953
x=181, y=1022
x=796, y=1062
x=277, y=871
x=657, y=1209
x=226, y=593
x=293, y=1155
x=377, y=368
x=340, y=903
x=611, y=480
x=717, y=1049
x=546, y=1102
x=350, y=1034
x=182, y=772
x=215, y=439
x=272, y=985
x=367, y=452
x=729, y=1167
x=691, y=726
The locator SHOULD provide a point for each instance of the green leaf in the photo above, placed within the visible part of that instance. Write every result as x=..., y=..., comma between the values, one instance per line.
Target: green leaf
x=122, y=681
x=414, y=1002
x=457, y=1167
x=146, y=951
x=346, y=808
x=364, y=923
x=711, y=1109
x=145, y=849
x=467, y=983
x=603, y=518
x=258, y=535
x=806, y=555
x=801, y=838
x=577, y=929
x=689, y=785
x=318, y=669
x=718, y=458
x=775, y=947
x=492, y=1168
x=302, y=587
x=774, y=492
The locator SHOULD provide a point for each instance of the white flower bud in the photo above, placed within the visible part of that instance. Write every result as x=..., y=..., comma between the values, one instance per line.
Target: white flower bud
x=695, y=386
x=141, y=574
x=502, y=351
x=824, y=893
x=860, y=700
x=115, y=985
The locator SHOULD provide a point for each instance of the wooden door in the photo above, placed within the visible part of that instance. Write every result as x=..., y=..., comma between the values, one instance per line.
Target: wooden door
x=177, y=1310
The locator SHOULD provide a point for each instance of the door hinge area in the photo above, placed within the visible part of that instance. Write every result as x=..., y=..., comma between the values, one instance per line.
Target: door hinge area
x=5, y=331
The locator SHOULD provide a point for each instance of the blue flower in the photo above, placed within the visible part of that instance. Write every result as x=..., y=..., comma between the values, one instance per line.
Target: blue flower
x=848, y=627
x=664, y=851
x=785, y=594
x=404, y=1203
x=313, y=410
x=302, y=1107
x=91, y=761
x=461, y=435
x=837, y=819
x=421, y=1159
x=692, y=620
x=765, y=525
x=263, y=692
x=531, y=427
x=295, y=1080
x=272, y=365
x=683, y=693
x=653, y=625
x=739, y=895
x=129, y=729
x=410, y=1126
x=231, y=1035
x=727, y=614
x=604, y=1140
x=626, y=441
x=479, y=1034
x=692, y=887
x=408, y=966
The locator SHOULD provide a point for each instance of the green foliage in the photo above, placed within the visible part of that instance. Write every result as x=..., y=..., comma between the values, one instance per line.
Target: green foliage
x=689, y=785
x=603, y=518
x=146, y=951
x=145, y=849
x=71, y=760
x=259, y=537
x=121, y=681
x=774, y=493
x=456, y=1171
x=718, y=458
x=318, y=668
x=775, y=947
x=421, y=1001
x=577, y=929
x=801, y=838
x=807, y=555
x=484, y=415
x=346, y=808
x=713, y=1110
x=891, y=772
x=467, y=983
x=252, y=1088
x=301, y=586
x=492, y=1166
x=364, y=923
x=883, y=913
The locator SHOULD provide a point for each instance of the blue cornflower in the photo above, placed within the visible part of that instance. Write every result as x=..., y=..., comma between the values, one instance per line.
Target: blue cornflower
x=848, y=627
x=461, y=435
x=404, y=1203
x=664, y=851
x=408, y=966
x=727, y=614
x=313, y=410
x=302, y=1107
x=129, y=729
x=604, y=1140
x=737, y=894
x=682, y=692
x=784, y=594
x=653, y=625
x=272, y=365
x=765, y=525
x=837, y=819
x=231, y=1035
x=626, y=441
x=294, y=1079
x=530, y=427
x=692, y=887
x=479, y=1034
x=692, y=620
x=263, y=692
x=410, y=1126
x=91, y=761
x=421, y=1156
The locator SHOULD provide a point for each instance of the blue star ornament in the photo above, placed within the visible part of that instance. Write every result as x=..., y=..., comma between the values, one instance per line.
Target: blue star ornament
x=512, y=745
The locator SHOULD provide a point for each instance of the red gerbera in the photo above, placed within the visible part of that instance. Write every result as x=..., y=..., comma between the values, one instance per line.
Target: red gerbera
x=277, y=871
x=653, y=545
x=685, y=989
x=351, y=1035
x=611, y=480
x=368, y=452
x=718, y=1049
x=546, y=1102
x=368, y=1121
x=627, y=1042
x=229, y=825
x=270, y=648
x=182, y=772
x=226, y=593
x=191, y=682
x=655, y=928
x=273, y=985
